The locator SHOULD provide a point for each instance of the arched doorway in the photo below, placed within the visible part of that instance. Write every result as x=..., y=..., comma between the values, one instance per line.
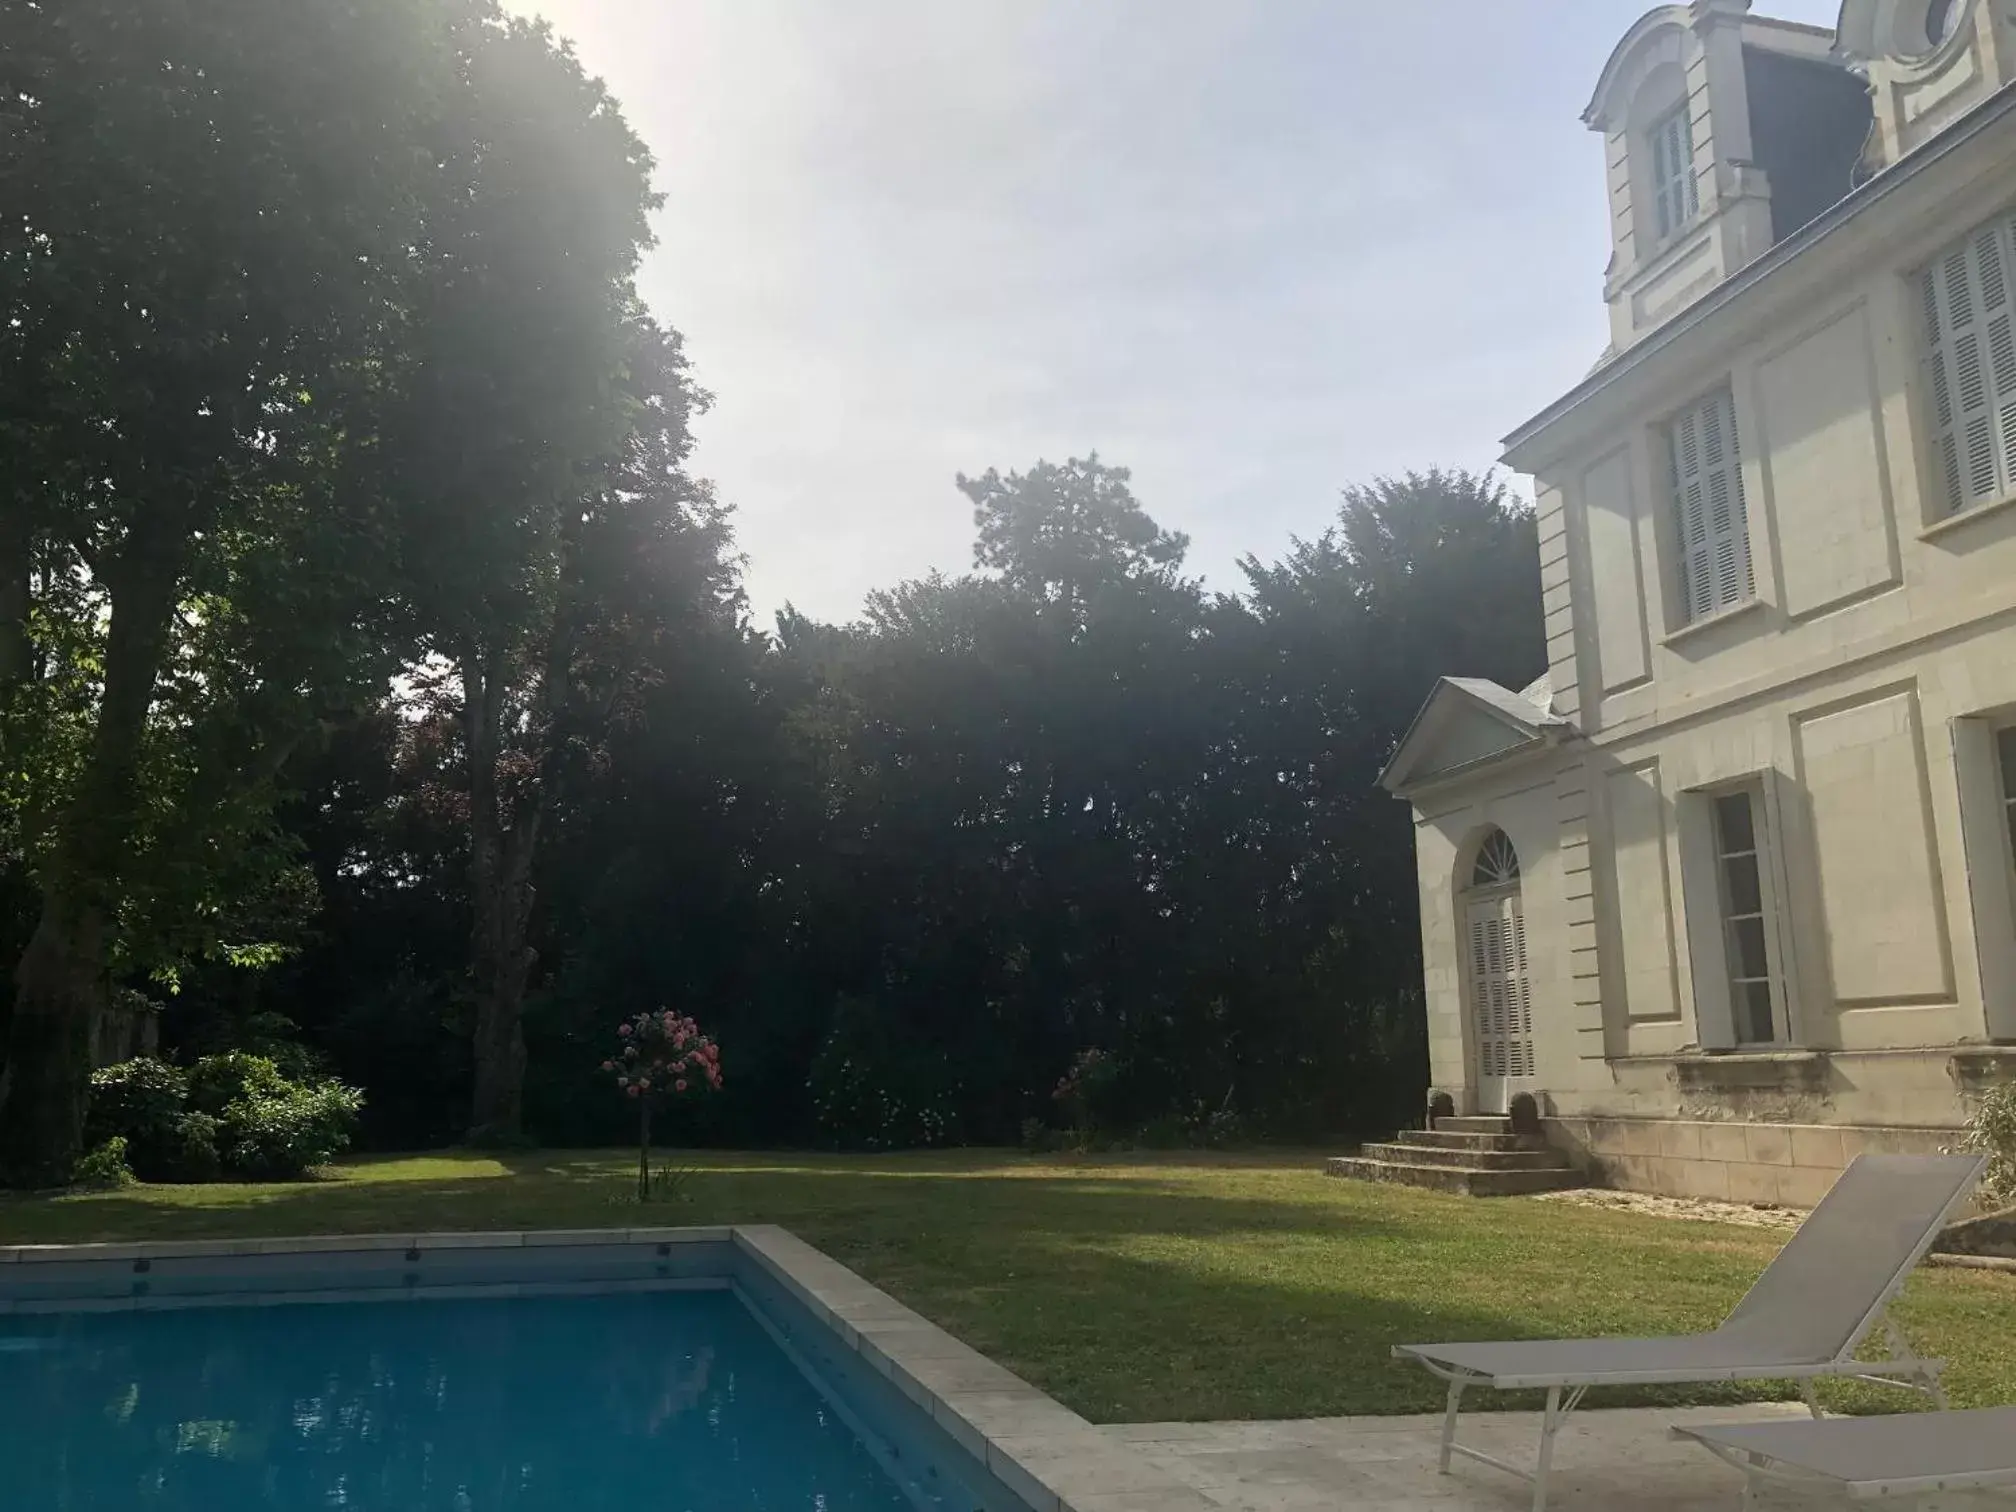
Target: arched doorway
x=1501, y=1002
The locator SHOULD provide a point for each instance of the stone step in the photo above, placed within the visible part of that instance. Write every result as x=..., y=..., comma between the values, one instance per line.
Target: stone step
x=1450, y=1139
x=1406, y=1152
x=1482, y=1124
x=1460, y=1179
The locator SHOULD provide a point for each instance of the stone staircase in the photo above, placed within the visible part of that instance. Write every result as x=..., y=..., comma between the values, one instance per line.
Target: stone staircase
x=1479, y=1157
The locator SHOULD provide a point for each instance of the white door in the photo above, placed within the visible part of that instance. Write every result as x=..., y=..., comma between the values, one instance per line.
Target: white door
x=1501, y=1004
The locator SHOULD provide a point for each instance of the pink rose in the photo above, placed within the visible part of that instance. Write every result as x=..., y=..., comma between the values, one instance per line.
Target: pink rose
x=630, y=1091
x=624, y=1030
x=608, y=1065
x=679, y=1085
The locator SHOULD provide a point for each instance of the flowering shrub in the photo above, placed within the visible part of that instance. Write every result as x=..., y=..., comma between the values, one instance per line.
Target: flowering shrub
x=874, y=1090
x=662, y=1058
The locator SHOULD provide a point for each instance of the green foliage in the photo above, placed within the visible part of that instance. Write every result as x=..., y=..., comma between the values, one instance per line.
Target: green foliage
x=1086, y=1092
x=104, y=1166
x=412, y=429
x=1992, y=1130
x=1038, y=1137
x=139, y=1103
x=875, y=1091
x=228, y=1115
x=192, y=1153
x=283, y=1134
x=218, y=1081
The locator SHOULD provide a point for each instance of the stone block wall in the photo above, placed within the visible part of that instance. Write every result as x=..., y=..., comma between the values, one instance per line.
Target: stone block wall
x=1779, y=1164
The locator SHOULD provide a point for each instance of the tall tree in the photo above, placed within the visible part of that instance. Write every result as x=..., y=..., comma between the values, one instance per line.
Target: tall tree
x=211, y=208
x=529, y=384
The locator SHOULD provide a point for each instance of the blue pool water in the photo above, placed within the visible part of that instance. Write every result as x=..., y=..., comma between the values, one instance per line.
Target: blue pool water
x=667, y=1401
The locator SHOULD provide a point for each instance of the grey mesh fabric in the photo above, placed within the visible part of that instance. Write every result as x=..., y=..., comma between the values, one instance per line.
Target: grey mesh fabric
x=1808, y=1309
x=1979, y=1446
x=1815, y=1298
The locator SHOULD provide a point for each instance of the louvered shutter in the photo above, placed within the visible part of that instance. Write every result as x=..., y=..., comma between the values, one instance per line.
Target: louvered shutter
x=1674, y=195
x=1972, y=356
x=1709, y=516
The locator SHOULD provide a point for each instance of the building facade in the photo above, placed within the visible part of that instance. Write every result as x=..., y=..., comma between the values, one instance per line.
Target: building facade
x=1731, y=892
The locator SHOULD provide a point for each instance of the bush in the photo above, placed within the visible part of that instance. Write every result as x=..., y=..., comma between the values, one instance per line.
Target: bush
x=217, y=1081
x=104, y=1166
x=874, y=1090
x=282, y=1135
x=1992, y=1130
x=193, y=1153
x=232, y=1114
x=1038, y=1137
x=138, y=1102
x=1086, y=1092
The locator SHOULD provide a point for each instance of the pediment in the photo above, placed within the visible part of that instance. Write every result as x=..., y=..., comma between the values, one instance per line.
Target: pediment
x=1465, y=724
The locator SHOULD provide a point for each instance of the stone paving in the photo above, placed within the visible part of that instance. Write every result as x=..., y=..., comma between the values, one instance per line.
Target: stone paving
x=1619, y=1459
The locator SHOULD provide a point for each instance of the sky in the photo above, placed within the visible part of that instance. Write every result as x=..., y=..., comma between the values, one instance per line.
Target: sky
x=1254, y=250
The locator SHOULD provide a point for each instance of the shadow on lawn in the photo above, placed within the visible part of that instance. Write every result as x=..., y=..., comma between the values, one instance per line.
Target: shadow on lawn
x=1130, y=1297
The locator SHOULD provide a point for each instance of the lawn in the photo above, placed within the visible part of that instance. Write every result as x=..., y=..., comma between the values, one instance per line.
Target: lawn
x=1133, y=1288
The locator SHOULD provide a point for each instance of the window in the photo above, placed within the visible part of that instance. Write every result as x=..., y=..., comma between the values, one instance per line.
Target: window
x=1971, y=351
x=1497, y=862
x=1709, y=519
x=1746, y=923
x=1942, y=19
x=1674, y=198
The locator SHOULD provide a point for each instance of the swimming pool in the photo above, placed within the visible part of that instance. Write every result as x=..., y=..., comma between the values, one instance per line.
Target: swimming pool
x=674, y=1370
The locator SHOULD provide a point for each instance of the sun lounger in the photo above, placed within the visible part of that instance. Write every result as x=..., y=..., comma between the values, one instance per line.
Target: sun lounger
x=1806, y=1317
x=1914, y=1454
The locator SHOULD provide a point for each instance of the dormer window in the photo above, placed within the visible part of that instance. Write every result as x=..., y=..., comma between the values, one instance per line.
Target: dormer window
x=1674, y=196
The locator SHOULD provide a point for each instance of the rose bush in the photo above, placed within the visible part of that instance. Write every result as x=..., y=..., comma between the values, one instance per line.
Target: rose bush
x=663, y=1056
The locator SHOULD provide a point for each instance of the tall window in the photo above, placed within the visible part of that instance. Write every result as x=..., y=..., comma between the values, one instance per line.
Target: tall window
x=1971, y=352
x=1709, y=518
x=1746, y=924
x=1674, y=198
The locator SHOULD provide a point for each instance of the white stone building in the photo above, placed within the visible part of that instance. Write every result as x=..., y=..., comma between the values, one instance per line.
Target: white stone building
x=1731, y=891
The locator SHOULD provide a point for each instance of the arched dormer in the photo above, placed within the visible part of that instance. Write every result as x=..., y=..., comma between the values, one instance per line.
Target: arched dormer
x=1927, y=62
x=1692, y=176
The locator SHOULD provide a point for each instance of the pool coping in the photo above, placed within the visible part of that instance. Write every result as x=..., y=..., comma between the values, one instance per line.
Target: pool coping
x=1039, y=1449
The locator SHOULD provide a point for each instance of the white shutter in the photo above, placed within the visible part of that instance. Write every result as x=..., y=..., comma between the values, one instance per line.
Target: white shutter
x=1674, y=194
x=1972, y=356
x=1709, y=517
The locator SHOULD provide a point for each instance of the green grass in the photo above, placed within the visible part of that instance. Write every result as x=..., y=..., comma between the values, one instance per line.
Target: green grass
x=1132, y=1288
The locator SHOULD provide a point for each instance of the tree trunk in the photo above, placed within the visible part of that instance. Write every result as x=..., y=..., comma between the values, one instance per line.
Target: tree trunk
x=644, y=1149
x=60, y=980
x=500, y=882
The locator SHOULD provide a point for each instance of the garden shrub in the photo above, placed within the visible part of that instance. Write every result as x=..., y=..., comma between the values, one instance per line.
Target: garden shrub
x=192, y=1153
x=104, y=1166
x=1993, y=1131
x=872, y=1090
x=138, y=1102
x=1086, y=1092
x=217, y=1081
x=281, y=1135
x=1038, y=1138
x=228, y=1115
